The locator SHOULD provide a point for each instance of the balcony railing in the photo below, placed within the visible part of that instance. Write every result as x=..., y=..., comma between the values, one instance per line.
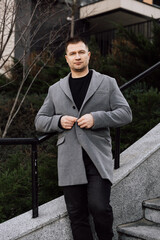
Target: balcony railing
x=105, y=39
x=35, y=141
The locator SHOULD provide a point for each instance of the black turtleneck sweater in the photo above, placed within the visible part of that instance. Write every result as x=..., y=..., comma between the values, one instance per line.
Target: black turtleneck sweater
x=79, y=87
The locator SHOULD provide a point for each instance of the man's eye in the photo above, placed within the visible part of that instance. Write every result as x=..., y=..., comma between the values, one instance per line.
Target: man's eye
x=72, y=54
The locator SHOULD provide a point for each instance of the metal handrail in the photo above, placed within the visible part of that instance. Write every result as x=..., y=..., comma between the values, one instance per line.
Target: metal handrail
x=140, y=76
x=26, y=141
x=33, y=142
x=122, y=88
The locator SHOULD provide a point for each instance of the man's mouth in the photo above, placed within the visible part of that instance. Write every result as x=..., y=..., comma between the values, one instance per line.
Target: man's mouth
x=78, y=63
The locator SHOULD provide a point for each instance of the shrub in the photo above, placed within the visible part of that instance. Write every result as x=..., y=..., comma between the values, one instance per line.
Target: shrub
x=15, y=185
x=15, y=178
x=146, y=112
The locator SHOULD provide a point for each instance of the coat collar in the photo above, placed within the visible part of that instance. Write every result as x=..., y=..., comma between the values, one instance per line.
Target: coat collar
x=94, y=84
x=64, y=84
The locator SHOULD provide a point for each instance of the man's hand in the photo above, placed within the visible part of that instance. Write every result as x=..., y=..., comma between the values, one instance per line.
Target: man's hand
x=67, y=122
x=86, y=121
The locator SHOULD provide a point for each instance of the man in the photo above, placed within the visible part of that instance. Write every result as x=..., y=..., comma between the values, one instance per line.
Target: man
x=81, y=107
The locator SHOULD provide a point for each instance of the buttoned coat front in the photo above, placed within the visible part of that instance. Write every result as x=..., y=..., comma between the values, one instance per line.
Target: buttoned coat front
x=108, y=107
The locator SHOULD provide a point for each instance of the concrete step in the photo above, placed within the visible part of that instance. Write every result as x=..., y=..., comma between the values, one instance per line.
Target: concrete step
x=152, y=210
x=140, y=230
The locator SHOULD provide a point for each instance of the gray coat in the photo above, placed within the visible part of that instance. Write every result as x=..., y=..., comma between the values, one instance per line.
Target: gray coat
x=109, y=109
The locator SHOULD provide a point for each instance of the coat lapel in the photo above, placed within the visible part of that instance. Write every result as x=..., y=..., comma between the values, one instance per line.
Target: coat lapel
x=96, y=80
x=64, y=84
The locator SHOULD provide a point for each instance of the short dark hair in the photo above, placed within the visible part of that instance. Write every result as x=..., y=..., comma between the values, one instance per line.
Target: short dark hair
x=75, y=40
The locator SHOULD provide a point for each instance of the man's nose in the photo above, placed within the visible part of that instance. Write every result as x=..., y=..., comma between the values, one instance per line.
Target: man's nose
x=78, y=56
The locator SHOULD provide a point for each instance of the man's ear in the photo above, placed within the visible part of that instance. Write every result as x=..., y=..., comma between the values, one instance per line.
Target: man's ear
x=66, y=58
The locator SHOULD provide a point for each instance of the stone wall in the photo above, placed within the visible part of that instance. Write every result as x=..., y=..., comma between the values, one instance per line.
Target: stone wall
x=137, y=179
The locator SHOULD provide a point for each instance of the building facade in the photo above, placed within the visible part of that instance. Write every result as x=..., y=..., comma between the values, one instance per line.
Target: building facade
x=52, y=19
x=100, y=18
x=6, y=29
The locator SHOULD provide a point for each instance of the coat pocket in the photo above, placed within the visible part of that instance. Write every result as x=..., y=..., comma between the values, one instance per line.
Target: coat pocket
x=60, y=140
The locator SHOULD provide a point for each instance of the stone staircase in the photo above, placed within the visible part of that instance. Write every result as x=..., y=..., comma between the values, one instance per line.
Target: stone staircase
x=147, y=228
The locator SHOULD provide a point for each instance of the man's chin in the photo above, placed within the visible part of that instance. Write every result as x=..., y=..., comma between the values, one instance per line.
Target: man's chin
x=79, y=69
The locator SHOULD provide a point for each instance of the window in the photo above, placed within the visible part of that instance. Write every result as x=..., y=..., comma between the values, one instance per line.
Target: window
x=156, y=2
x=86, y=2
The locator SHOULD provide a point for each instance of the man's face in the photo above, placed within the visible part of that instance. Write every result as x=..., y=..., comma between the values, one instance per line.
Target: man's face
x=77, y=57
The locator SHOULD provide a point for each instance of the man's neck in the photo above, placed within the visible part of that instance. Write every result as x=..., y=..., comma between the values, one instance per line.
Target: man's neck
x=79, y=74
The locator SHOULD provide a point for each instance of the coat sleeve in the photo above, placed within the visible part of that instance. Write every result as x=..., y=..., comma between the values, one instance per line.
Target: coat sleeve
x=120, y=113
x=46, y=120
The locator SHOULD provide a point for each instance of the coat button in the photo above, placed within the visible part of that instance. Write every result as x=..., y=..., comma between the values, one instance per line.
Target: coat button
x=74, y=107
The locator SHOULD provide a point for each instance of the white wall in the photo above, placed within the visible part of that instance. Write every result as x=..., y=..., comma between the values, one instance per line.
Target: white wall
x=9, y=47
x=110, y=5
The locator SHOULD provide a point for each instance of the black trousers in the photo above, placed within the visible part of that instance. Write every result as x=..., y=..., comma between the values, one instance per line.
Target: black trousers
x=92, y=198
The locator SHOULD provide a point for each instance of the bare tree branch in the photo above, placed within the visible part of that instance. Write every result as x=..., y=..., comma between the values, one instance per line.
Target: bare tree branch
x=27, y=30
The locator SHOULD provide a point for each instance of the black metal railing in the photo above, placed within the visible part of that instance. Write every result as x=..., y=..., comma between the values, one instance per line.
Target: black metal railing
x=33, y=142
x=37, y=140
x=105, y=39
x=122, y=88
